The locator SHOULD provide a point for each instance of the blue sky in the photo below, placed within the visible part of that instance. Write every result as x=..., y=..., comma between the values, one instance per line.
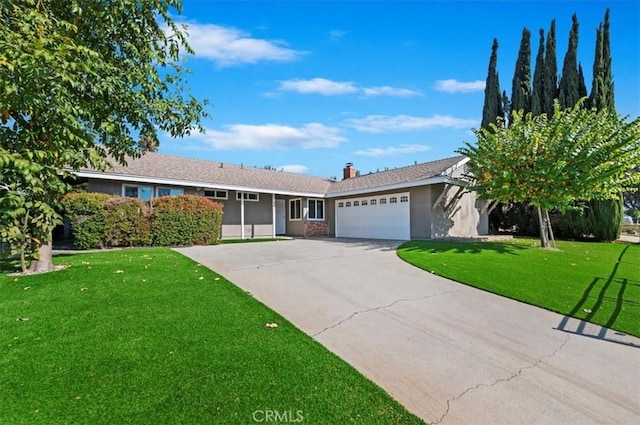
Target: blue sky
x=307, y=86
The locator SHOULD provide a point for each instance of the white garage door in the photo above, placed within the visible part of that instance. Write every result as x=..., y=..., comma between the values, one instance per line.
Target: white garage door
x=375, y=217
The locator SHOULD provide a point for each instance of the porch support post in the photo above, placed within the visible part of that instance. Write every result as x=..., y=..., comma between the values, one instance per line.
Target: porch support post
x=242, y=215
x=273, y=215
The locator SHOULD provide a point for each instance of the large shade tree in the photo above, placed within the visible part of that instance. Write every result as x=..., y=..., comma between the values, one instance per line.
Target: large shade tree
x=551, y=162
x=81, y=81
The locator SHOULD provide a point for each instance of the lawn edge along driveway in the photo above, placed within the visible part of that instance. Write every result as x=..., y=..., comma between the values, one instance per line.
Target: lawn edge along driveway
x=595, y=282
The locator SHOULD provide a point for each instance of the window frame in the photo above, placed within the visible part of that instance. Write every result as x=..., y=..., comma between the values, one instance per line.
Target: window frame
x=292, y=209
x=246, y=196
x=137, y=187
x=315, y=209
x=215, y=192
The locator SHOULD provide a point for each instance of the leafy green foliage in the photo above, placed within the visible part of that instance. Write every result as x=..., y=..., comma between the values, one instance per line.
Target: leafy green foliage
x=551, y=162
x=99, y=220
x=127, y=222
x=88, y=217
x=185, y=220
x=81, y=81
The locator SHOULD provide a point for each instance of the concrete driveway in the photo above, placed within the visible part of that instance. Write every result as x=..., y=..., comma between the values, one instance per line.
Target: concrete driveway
x=451, y=354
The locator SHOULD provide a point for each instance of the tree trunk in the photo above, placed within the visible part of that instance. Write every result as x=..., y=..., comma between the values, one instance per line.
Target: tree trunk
x=550, y=229
x=544, y=241
x=44, y=261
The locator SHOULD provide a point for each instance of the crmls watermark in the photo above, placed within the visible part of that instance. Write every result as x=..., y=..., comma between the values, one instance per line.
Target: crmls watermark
x=282, y=416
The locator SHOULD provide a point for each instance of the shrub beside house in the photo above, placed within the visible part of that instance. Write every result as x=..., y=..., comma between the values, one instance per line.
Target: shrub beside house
x=101, y=221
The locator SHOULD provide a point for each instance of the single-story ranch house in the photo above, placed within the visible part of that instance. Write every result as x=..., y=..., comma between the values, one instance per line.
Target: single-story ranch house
x=422, y=201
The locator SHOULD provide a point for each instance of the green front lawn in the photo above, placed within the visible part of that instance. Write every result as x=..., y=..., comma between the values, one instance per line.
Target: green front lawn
x=597, y=282
x=146, y=336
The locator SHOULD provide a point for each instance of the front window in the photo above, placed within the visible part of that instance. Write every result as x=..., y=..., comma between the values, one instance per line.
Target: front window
x=144, y=193
x=166, y=191
x=316, y=209
x=295, y=209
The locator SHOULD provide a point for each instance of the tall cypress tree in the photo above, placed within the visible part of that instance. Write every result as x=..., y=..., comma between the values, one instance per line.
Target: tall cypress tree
x=492, y=109
x=550, y=71
x=602, y=96
x=582, y=87
x=605, y=215
x=569, y=93
x=537, y=94
x=521, y=86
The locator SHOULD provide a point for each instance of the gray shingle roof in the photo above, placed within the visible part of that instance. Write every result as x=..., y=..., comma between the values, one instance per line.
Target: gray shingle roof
x=160, y=166
x=155, y=165
x=396, y=176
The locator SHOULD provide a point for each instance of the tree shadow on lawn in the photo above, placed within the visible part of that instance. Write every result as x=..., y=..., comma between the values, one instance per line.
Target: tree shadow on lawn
x=590, y=292
x=461, y=247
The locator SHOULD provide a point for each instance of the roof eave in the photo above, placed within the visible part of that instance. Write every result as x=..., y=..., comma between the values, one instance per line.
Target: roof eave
x=384, y=188
x=190, y=183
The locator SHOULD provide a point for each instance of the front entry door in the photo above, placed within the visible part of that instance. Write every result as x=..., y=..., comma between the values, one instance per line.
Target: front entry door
x=281, y=217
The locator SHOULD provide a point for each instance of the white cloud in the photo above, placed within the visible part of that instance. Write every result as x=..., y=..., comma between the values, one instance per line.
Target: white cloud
x=393, y=150
x=228, y=46
x=336, y=35
x=455, y=86
x=389, y=91
x=294, y=168
x=386, y=124
x=327, y=87
x=271, y=136
x=318, y=86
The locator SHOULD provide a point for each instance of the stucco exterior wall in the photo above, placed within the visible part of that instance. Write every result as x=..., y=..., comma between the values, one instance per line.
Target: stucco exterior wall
x=456, y=217
x=254, y=212
x=420, y=212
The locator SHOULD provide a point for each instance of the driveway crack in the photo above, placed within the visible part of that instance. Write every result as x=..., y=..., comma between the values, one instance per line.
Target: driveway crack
x=501, y=380
x=382, y=307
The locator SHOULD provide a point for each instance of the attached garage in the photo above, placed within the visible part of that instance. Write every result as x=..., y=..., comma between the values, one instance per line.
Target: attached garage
x=374, y=217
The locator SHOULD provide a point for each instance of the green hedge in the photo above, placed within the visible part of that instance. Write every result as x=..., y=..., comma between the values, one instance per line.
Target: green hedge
x=88, y=218
x=99, y=220
x=596, y=220
x=185, y=220
x=127, y=222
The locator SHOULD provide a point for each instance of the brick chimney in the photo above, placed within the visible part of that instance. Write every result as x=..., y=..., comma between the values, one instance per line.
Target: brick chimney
x=349, y=172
